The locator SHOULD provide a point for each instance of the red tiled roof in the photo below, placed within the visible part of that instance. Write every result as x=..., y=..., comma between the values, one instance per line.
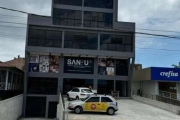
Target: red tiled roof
x=6, y=65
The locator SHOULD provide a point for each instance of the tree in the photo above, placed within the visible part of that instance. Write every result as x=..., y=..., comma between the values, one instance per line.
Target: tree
x=176, y=66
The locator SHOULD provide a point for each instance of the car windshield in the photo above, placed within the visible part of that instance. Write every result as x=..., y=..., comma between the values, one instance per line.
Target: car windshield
x=85, y=98
x=86, y=91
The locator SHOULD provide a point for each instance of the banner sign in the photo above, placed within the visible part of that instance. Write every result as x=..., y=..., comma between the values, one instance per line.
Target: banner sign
x=165, y=74
x=79, y=65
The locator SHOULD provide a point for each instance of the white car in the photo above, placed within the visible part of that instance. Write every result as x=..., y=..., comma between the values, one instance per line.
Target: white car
x=79, y=93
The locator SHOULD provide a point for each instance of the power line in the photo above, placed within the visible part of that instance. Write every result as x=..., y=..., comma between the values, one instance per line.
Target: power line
x=135, y=32
x=158, y=30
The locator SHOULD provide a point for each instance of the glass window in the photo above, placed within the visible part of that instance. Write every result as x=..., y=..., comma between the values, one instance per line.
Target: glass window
x=93, y=99
x=45, y=38
x=122, y=67
x=116, y=43
x=98, y=20
x=79, y=40
x=122, y=87
x=105, y=86
x=69, y=2
x=75, y=90
x=42, y=86
x=67, y=17
x=106, y=99
x=99, y=3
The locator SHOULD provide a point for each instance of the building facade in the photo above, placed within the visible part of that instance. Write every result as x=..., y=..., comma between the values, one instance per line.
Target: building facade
x=81, y=44
x=160, y=81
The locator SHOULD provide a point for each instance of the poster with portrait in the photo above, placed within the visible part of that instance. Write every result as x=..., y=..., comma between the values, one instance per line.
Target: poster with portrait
x=110, y=70
x=54, y=64
x=44, y=63
x=110, y=63
x=102, y=62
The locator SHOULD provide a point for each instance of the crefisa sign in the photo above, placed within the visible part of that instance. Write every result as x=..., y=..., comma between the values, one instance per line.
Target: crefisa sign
x=79, y=65
x=165, y=74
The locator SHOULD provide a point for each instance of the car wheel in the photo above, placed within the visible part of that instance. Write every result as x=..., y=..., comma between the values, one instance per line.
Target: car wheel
x=78, y=110
x=68, y=98
x=111, y=111
x=77, y=98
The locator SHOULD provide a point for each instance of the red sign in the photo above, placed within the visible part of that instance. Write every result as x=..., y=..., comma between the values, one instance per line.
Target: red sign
x=93, y=106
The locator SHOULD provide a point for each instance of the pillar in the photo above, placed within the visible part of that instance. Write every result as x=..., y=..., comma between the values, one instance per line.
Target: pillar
x=7, y=76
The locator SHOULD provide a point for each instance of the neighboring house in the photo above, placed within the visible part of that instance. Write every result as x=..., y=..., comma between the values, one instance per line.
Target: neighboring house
x=17, y=62
x=11, y=78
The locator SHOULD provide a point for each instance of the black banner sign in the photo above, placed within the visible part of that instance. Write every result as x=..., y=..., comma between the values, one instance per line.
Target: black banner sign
x=79, y=65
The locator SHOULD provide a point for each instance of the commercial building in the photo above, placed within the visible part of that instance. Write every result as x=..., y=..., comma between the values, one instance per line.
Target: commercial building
x=80, y=44
x=160, y=81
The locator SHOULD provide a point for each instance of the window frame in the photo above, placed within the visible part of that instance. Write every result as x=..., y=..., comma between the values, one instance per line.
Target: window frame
x=92, y=97
x=106, y=97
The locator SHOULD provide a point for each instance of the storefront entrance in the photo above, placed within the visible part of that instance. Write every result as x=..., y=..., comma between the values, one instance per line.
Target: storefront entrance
x=168, y=87
x=69, y=84
x=106, y=86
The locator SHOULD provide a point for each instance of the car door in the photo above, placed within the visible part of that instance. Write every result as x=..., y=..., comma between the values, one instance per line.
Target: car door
x=105, y=103
x=74, y=93
x=92, y=104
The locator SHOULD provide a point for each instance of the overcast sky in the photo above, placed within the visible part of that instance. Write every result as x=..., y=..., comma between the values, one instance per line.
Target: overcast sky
x=147, y=14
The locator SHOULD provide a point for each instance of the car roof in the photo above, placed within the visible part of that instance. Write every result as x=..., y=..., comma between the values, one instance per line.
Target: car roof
x=82, y=87
x=100, y=95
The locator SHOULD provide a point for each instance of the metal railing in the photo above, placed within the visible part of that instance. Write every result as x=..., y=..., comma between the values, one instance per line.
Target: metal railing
x=158, y=98
x=169, y=95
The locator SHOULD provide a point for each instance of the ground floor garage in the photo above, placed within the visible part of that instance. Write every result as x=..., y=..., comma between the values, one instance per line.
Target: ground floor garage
x=129, y=110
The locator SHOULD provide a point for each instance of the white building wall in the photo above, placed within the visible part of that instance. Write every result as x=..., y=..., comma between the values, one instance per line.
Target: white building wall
x=11, y=109
x=149, y=87
x=135, y=86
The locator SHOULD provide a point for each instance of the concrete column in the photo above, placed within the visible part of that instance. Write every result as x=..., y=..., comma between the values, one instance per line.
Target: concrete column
x=95, y=84
x=63, y=34
x=11, y=84
x=178, y=90
x=156, y=88
x=7, y=76
x=99, y=42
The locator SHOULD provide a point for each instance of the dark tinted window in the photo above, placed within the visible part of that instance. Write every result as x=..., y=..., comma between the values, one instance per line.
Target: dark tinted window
x=47, y=86
x=93, y=99
x=69, y=2
x=75, y=90
x=67, y=17
x=122, y=67
x=116, y=43
x=44, y=38
x=98, y=20
x=99, y=3
x=79, y=40
x=106, y=99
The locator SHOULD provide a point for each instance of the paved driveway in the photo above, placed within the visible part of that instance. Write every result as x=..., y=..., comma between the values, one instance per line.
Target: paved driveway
x=129, y=110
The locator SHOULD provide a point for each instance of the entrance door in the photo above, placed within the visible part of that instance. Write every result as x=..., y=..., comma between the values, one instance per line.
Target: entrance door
x=36, y=107
x=52, y=109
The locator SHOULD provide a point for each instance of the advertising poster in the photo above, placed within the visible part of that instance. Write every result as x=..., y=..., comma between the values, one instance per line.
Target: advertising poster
x=105, y=66
x=34, y=63
x=34, y=59
x=110, y=70
x=110, y=63
x=79, y=65
x=102, y=70
x=102, y=62
x=54, y=64
x=33, y=67
x=44, y=63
